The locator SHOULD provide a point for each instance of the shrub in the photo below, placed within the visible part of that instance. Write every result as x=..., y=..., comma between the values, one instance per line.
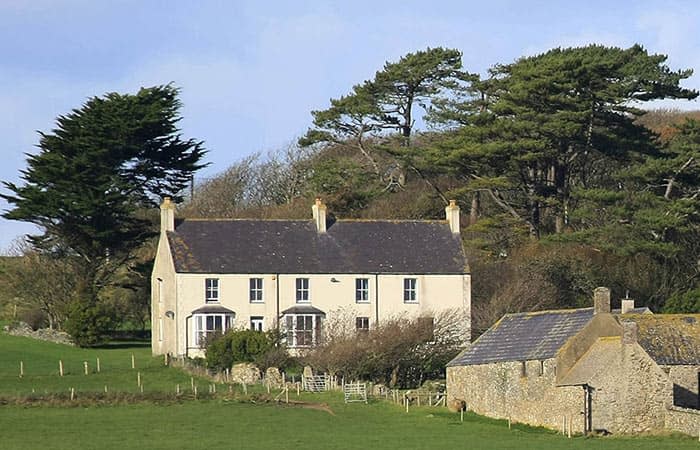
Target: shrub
x=400, y=352
x=222, y=351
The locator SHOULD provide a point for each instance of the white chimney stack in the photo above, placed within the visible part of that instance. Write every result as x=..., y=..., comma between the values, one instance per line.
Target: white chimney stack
x=452, y=216
x=167, y=215
x=627, y=305
x=319, y=212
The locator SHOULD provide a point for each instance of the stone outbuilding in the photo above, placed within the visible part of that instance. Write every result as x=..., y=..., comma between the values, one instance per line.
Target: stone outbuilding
x=591, y=369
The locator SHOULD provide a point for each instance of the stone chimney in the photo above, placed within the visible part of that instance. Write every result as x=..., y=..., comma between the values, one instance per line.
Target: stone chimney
x=601, y=300
x=167, y=215
x=452, y=216
x=629, y=332
x=319, y=213
x=626, y=305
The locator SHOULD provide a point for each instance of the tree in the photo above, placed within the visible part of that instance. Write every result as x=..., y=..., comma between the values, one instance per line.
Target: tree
x=92, y=176
x=385, y=106
x=546, y=124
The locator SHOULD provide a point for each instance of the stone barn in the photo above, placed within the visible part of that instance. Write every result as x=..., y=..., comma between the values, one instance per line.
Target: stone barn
x=591, y=368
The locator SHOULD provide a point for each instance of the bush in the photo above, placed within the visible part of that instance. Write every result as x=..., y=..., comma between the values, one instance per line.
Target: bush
x=400, y=352
x=222, y=351
x=88, y=322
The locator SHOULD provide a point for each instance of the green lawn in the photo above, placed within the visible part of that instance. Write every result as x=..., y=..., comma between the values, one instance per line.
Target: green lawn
x=41, y=368
x=218, y=423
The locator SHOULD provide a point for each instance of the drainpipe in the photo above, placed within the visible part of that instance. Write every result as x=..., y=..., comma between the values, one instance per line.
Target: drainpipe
x=277, y=301
x=187, y=333
x=376, y=299
x=587, y=415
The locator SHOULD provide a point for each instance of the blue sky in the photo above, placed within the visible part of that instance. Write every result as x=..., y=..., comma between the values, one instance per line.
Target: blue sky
x=251, y=72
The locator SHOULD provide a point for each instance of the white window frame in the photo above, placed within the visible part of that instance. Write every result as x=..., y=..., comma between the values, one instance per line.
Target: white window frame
x=303, y=337
x=410, y=290
x=361, y=290
x=201, y=325
x=257, y=323
x=211, y=290
x=255, y=290
x=362, y=324
x=303, y=293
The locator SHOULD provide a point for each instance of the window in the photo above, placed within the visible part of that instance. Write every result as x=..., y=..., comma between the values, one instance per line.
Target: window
x=206, y=324
x=302, y=290
x=303, y=330
x=362, y=324
x=256, y=290
x=211, y=290
x=160, y=291
x=361, y=290
x=409, y=290
x=256, y=323
x=541, y=371
x=523, y=369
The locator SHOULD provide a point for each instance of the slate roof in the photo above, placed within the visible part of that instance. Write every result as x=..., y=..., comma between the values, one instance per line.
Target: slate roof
x=303, y=309
x=525, y=337
x=213, y=309
x=294, y=246
x=670, y=339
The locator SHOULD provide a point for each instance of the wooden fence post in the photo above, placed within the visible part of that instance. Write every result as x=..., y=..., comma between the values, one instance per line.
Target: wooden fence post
x=21, y=369
x=98, y=365
x=60, y=367
x=85, y=367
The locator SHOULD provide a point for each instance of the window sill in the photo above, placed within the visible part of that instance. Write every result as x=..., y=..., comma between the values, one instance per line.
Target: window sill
x=254, y=302
x=411, y=302
x=209, y=302
x=362, y=302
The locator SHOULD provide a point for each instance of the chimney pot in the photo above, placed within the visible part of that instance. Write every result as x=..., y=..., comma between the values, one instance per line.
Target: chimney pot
x=601, y=300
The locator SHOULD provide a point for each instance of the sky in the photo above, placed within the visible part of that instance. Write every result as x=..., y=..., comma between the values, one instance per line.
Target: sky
x=250, y=72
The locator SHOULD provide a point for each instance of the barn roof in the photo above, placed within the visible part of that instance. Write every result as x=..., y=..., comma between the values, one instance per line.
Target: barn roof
x=670, y=339
x=525, y=337
x=294, y=246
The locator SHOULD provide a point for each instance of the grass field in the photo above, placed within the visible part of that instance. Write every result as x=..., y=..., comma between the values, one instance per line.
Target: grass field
x=218, y=423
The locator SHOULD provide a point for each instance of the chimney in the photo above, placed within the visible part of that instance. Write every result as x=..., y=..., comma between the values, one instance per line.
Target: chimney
x=601, y=300
x=452, y=216
x=627, y=305
x=167, y=215
x=319, y=213
x=629, y=332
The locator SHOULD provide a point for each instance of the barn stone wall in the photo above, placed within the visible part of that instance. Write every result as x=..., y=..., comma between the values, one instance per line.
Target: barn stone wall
x=503, y=390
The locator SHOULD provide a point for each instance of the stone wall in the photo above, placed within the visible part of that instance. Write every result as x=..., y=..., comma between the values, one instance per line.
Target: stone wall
x=500, y=390
x=630, y=395
x=683, y=420
x=42, y=334
x=685, y=385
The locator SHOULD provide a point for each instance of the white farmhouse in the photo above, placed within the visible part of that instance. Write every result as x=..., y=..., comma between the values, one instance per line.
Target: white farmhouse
x=214, y=275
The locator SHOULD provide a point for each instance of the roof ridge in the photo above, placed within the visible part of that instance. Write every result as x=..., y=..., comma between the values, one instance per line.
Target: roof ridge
x=548, y=311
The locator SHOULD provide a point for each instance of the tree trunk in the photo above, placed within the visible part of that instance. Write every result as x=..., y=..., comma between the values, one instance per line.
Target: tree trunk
x=475, y=208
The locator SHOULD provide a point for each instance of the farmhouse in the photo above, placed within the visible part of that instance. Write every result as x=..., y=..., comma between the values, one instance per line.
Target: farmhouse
x=297, y=275
x=588, y=369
